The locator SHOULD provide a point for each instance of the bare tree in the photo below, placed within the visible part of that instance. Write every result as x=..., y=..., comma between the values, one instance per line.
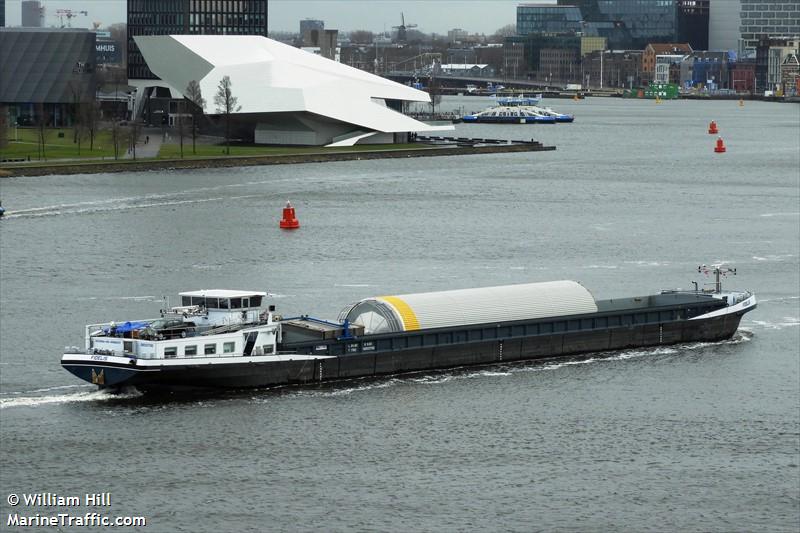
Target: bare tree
x=194, y=95
x=362, y=36
x=75, y=91
x=227, y=104
x=134, y=132
x=116, y=137
x=435, y=92
x=509, y=30
x=179, y=124
x=119, y=33
x=41, y=122
x=3, y=126
x=91, y=119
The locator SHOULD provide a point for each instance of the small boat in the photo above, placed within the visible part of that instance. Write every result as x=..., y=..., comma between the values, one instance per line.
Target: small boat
x=510, y=115
x=2, y=209
x=228, y=339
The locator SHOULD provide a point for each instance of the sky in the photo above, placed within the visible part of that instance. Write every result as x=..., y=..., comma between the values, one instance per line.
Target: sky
x=431, y=16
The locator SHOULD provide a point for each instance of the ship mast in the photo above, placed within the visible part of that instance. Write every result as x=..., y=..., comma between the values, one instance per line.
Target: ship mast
x=719, y=270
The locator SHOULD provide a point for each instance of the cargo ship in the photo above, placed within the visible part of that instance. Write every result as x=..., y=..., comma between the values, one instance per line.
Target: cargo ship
x=229, y=339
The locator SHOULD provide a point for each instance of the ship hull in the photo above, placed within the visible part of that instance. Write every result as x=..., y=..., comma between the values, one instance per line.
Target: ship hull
x=370, y=360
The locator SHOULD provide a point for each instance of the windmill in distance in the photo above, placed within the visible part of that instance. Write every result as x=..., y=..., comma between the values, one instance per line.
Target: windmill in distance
x=401, y=29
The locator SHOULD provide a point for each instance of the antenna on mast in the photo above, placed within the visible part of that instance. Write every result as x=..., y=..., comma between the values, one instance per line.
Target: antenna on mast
x=719, y=270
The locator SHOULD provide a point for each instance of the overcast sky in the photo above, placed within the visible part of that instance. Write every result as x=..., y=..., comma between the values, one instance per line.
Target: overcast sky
x=431, y=16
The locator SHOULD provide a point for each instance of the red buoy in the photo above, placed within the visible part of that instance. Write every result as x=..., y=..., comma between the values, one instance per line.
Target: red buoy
x=289, y=221
x=720, y=146
x=712, y=128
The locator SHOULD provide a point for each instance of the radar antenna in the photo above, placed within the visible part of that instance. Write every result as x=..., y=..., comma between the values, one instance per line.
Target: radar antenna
x=719, y=270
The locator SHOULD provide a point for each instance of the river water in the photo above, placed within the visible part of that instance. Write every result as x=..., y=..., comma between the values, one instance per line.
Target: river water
x=702, y=437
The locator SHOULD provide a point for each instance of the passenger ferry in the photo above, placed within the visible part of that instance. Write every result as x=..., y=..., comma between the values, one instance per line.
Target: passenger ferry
x=510, y=115
x=228, y=338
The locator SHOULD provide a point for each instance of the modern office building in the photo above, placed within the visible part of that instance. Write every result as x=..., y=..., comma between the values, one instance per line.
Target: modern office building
x=286, y=95
x=547, y=18
x=550, y=58
x=724, y=19
x=32, y=14
x=692, y=23
x=310, y=31
x=195, y=17
x=44, y=72
x=764, y=19
x=646, y=20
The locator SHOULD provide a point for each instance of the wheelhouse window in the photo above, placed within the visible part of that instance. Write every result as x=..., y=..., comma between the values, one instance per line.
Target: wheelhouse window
x=236, y=303
x=190, y=350
x=267, y=349
x=170, y=352
x=228, y=347
x=210, y=349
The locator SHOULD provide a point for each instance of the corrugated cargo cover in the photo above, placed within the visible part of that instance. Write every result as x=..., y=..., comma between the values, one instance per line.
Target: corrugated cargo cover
x=409, y=312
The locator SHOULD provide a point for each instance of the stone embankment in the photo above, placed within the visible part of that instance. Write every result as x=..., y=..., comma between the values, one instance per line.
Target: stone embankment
x=99, y=167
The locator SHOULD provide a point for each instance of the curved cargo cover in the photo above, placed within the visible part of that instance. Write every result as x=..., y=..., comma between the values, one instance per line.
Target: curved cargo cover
x=408, y=312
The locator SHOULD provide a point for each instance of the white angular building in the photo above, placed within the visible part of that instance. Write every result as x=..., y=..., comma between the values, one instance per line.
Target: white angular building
x=287, y=95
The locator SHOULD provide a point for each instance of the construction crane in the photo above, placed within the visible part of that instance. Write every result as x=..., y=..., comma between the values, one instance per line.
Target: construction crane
x=401, y=29
x=69, y=14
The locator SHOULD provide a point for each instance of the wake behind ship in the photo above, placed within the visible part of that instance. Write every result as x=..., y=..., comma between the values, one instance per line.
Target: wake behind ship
x=228, y=339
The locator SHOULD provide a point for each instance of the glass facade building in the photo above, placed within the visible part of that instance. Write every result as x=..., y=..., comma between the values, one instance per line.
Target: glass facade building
x=768, y=18
x=693, y=22
x=32, y=14
x=547, y=18
x=646, y=21
x=181, y=17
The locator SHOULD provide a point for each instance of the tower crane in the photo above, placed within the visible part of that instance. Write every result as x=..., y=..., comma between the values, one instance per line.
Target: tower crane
x=69, y=14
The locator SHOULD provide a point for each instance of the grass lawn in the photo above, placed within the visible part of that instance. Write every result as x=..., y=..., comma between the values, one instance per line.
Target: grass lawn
x=24, y=143
x=172, y=151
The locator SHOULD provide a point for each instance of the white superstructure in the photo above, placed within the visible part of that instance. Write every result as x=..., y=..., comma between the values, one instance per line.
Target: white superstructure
x=269, y=77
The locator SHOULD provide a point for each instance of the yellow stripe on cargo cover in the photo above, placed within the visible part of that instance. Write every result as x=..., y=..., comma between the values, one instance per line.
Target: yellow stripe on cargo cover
x=410, y=321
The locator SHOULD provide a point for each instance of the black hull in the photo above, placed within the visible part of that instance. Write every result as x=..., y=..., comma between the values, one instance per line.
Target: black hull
x=427, y=358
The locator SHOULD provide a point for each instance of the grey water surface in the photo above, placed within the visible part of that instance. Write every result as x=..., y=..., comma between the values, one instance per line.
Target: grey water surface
x=701, y=437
